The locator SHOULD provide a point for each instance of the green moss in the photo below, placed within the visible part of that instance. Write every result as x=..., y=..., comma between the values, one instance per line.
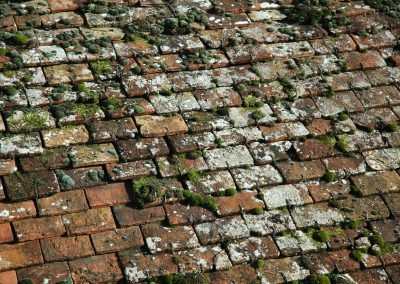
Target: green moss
x=65, y=21
x=351, y=224
x=319, y=279
x=330, y=176
x=257, y=211
x=257, y=114
x=185, y=278
x=219, y=142
x=175, y=259
x=259, y=263
x=378, y=240
x=100, y=68
x=321, y=235
x=249, y=101
x=166, y=92
x=240, y=87
x=316, y=13
x=196, y=199
x=230, y=191
x=145, y=190
x=86, y=110
x=342, y=143
x=357, y=255
x=328, y=139
x=342, y=116
x=111, y=102
x=20, y=39
x=28, y=121
x=26, y=78
x=390, y=7
x=355, y=191
x=330, y=92
x=65, y=180
x=25, y=281
x=9, y=91
x=287, y=86
x=193, y=176
x=81, y=88
x=389, y=126
x=194, y=155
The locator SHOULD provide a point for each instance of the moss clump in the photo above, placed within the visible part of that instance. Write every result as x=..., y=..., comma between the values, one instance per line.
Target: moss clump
x=357, y=255
x=193, y=176
x=20, y=39
x=230, y=191
x=342, y=143
x=185, y=278
x=100, y=68
x=388, y=126
x=9, y=91
x=314, y=12
x=355, y=191
x=65, y=21
x=342, y=116
x=319, y=279
x=146, y=190
x=29, y=121
x=166, y=92
x=65, y=180
x=194, y=155
x=378, y=240
x=351, y=224
x=219, y=142
x=329, y=176
x=259, y=263
x=86, y=110
x=321, y=235
x=257, y=114
x=240, y=87
x=257, y=211
x=287, y=86
x=390, y=7
x=196, y=199
x=249, y=101
x=25, y=281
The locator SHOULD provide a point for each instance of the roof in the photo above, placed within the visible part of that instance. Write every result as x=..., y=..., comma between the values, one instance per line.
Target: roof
x=204, y=141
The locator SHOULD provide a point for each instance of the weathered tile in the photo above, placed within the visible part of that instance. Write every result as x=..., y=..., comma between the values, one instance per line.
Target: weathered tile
x=204, y=258
x=384, y=159
x=117, y=240
x=22, y=186
x=96, y=268
x=155, y=126
x=52, y=272
x=91, y=221
x=227, y=228
x=66, y=248
x=298, y=242
x=257, y=176
x=251, y=249
x=283, y=269
x=271, y=222
x=316, y=214
x=160, y=238
x=242, y=201
x=285, y=195
x=137, y=267
x=231, y=156
x=211, y=182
